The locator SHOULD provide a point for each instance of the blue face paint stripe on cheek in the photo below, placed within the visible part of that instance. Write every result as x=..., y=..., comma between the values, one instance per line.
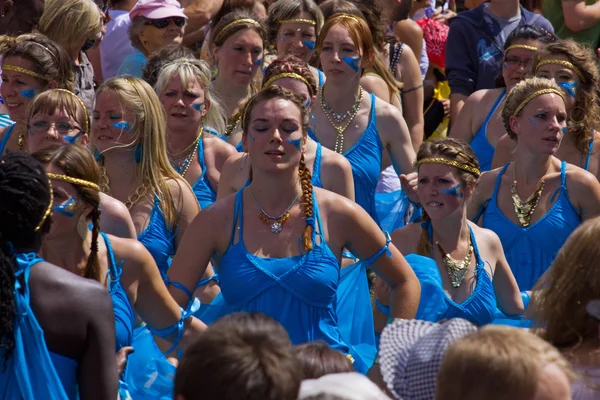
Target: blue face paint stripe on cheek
x=251, y=137
x=310, y=44
x=124, y=125
x=297, y=143
x=455, y=191
x=258, y=62
x=353, y=62
x=67, y=208
x=28, y=93
x=72, y=139
x=569, y=87
x=564, y=130
x=198, y=106
x=532, y=122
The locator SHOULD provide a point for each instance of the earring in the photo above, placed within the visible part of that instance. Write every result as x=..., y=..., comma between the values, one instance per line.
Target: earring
x=215, y=71
x=82, y=227
x=138, y=153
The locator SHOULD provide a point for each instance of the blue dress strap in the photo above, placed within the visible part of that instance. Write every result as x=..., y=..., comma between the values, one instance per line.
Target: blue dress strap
x=563, y=174
x=589, y=154
x=384, y=249
x=321, y=77
x=237, y=214
x=316, y=176
x=6, y=137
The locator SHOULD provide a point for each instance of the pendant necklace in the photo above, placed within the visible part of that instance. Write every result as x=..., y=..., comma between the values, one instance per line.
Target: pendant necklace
x=275, y=222
x=457, y=269
x=335, y=119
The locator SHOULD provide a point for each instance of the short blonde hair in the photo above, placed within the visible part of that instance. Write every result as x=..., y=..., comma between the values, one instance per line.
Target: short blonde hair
x=190, y=69
x=69, y=22
x=496, y=362
x=59, y=99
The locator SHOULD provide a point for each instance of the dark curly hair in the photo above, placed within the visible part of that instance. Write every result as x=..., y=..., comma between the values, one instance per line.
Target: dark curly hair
x=24, y=199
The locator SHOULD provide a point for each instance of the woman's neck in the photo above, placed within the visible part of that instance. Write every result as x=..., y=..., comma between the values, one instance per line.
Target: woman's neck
x=178, y=140
x=275, y=192
x=530, y=169
x=70, y=252
x=231, y=96
x=451, y=230
x=121, y=168
x=74, y=54
x=341, y=98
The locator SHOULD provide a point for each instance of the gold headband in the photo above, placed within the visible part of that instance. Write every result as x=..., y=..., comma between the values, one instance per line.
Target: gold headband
x=464, y=167
x=74, y=181
x=298, y=21
x=234, y=23
x=133, y=86
x=87, y=118
x=48, y=210
x=45, y=48
x=25, y=71
x=534, y=95
x=564, y=63
x=291, y=75
x=520, y=46
x=348, y=16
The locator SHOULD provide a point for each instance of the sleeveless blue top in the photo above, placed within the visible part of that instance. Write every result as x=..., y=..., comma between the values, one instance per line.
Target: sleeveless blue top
x=32, y=371
x=202, y=188
x=531, y=250
x=321, y=77
x=6, y=138
x=159, y=239
x=365, y=159
x=435, y=305
x=299, y=292
x=480, y=144
x=124, y=315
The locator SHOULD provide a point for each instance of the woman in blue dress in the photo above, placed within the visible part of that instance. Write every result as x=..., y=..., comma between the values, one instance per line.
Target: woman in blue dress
x=328, y=169
x=29, y=66
x=573, y=67
x=124, y=266
x=293, y=27
x=535, y=202
x=58, y=116
x=462, y=268
x=57, y=337
x=279, y=241
x=193, y=118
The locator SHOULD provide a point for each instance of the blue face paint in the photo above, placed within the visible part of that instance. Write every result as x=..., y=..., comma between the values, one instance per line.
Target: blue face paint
x=28, y=93
x=295, y=142
x=252, y=138
x=124, y=125
x=455, y=191
x=72, y=139
x=353, y=62
x=569, y=87
x=258, y=62
x=198, y=106
x=532, y=122
x=281, y=40
x=504, y=65
x=67, y=208
x=310, y=44
x=1, y=100
x=564, y=130
x=307, y=104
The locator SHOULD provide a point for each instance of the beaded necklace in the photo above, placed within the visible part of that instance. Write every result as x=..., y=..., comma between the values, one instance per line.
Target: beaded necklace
x=339, y=117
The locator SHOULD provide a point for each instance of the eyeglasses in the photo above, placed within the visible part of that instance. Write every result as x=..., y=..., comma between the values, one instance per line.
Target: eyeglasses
x=516, y=62
x=162, y=23
x=63, y=128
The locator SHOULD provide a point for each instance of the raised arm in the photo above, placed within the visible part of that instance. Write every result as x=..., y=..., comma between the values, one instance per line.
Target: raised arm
x=578, y=16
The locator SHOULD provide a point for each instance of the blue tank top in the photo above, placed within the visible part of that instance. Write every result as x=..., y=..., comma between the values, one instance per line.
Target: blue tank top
x=6, y=138
x=435, y=305
x=202, y=188
x=480, y=144
x=531, y=250
x=299, y=292
x=321, y=77
x=159, y=239
x=124, y=315
x=32, y=371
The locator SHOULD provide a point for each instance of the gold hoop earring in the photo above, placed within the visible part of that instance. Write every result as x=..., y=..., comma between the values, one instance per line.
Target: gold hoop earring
x=571, y=120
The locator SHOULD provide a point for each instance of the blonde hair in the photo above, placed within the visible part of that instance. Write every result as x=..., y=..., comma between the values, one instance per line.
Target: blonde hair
x=189, y=70
x=149, y=127
x=506, y=362
x=69, y=22
x=520, y=94
x=559, y=297
x=59, y=99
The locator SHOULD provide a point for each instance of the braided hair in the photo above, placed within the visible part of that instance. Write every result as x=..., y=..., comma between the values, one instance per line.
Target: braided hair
x=24, y=199
x=292, y=65
x=452, y=149
x=277, y=92
x=78, y=162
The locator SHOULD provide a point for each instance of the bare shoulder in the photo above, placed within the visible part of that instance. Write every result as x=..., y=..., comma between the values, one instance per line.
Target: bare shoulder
x=487, y=182
x=579, y=178
x=406, y=239
x=372, y=82
x=335, y=160
x=484, y=96
x=130, y=250
x=333, y=204
x=110, y=205
x=218, y=146
x=485, y=237
x=115, y=217
x=387, y=112
x=408, y=27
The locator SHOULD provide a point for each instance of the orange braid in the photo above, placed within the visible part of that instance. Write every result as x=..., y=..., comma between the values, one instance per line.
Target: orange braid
x=305, y=182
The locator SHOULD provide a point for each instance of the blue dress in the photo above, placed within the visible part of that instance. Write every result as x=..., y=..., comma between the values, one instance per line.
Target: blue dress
x=530, y=251
x=124, y=315
x=435, y=305
x=202, y=188
x=159, y=239
x=32, y=371
x=480, y=144
x=299, y=291
x=6, y=138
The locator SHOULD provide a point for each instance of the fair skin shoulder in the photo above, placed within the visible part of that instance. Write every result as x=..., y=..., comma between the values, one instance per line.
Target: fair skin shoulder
x=473, y=114
x=376, y=85
x=409, y=73
x=115, y=218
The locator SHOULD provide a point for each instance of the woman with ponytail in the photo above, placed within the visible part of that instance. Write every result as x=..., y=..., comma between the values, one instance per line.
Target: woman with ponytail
x=124, y=266
x=279, y=241
x=56, y=335
x=462, y=268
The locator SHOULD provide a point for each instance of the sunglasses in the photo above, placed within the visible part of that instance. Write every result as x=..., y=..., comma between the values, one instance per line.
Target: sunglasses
x=162, y=23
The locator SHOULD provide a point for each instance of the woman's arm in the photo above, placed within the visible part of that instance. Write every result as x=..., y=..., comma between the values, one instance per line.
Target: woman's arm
x=412, y=80
x=395, y=137
x=376, y=85
x=187, y=206
x=234, y=171
x=584, y=192
x=339, y=174
x=462, y=127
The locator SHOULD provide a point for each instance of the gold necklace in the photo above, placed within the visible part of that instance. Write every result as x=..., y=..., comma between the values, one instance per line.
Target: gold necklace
x=182, y=170
x=104, y=181
x=232, y=123
x=133, y=198
x=277, y=224
x=331, y=116
x=525, y=209
x=195, y=142
x=457, y=269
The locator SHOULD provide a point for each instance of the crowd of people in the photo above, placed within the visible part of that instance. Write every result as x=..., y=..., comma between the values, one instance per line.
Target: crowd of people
x=299, y=199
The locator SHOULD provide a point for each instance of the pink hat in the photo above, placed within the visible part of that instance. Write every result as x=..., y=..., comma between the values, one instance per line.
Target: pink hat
x=157, y=9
